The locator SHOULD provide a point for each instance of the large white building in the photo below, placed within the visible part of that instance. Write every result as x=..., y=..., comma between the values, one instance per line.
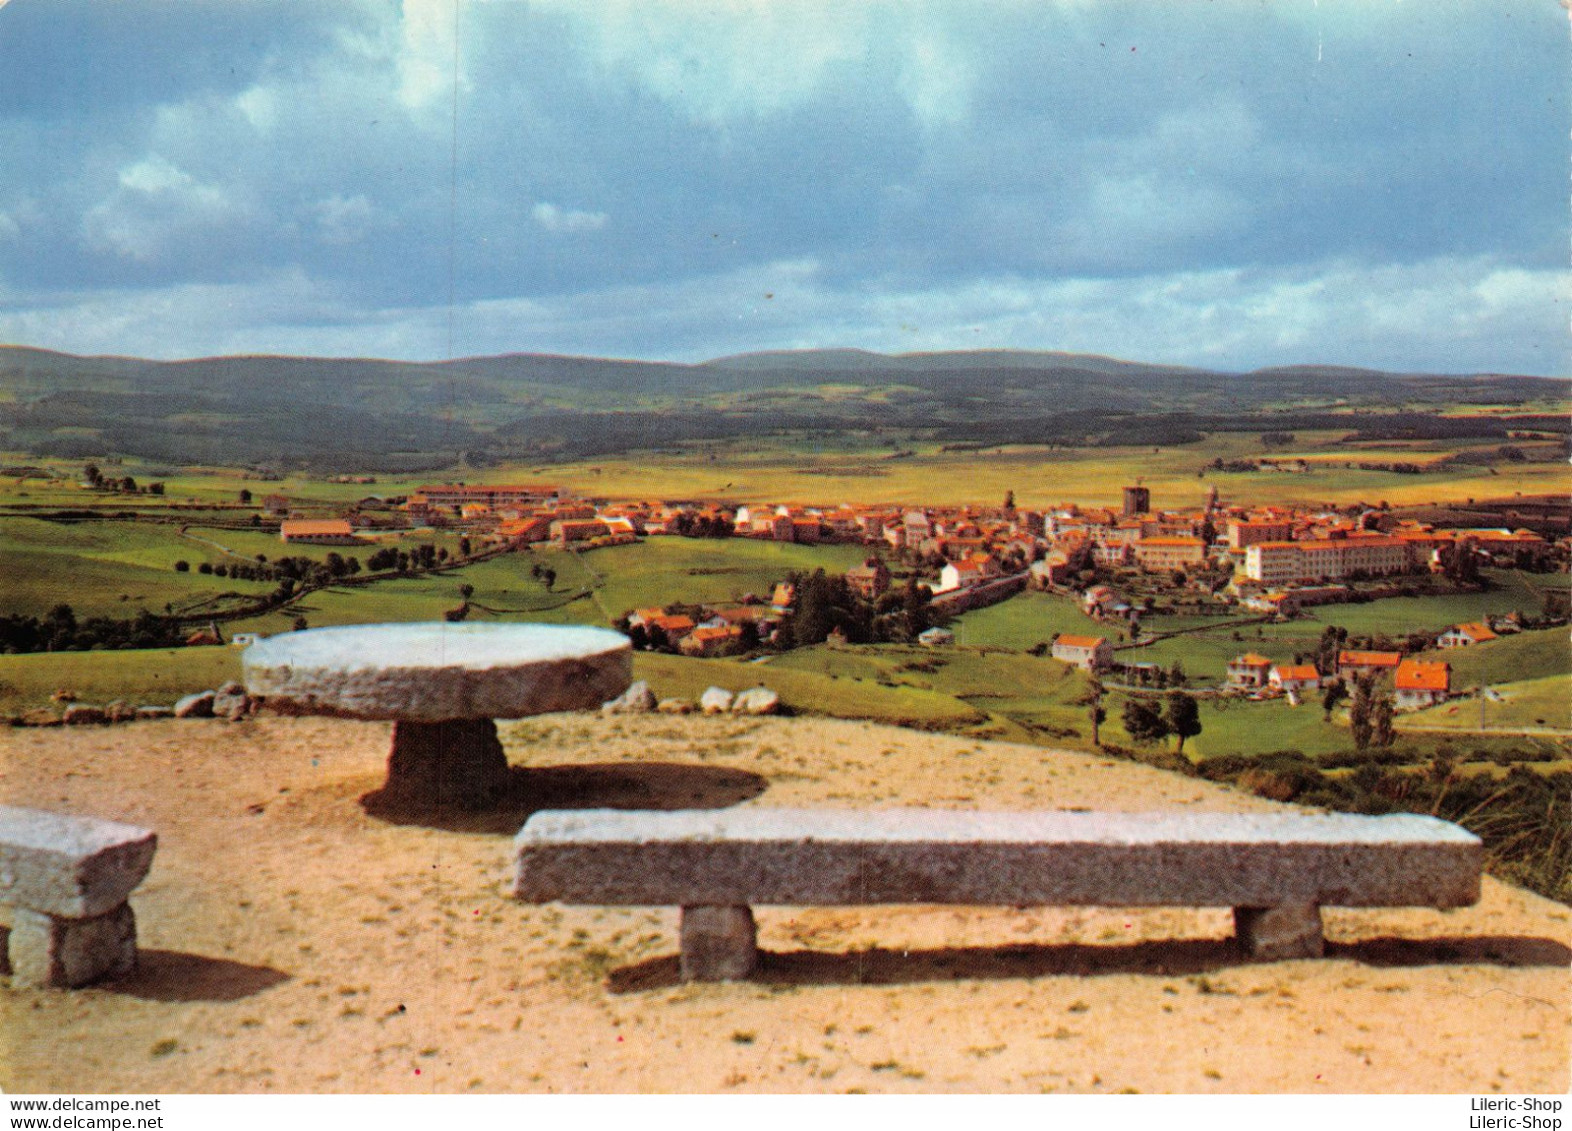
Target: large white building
x=1283, y=563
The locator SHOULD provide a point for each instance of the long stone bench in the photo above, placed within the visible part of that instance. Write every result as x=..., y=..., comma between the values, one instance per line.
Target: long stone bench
x=1276, y=870
x=64, y=881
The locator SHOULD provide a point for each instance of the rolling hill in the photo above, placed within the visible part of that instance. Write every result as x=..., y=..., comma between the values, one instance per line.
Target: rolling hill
x=330, y=414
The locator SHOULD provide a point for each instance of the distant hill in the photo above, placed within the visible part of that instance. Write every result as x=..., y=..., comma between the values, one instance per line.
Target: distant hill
x=358, y=413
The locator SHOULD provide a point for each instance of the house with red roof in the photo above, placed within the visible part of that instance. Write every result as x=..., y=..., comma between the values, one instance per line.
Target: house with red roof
x=1422, y=683
x=1089, y=653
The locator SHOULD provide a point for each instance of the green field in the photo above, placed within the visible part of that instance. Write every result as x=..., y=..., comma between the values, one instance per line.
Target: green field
x=153, y=676
x=1527, y=655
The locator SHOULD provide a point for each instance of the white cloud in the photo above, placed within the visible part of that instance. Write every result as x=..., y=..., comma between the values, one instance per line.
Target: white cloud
x=555, y=219
x=345, y=219
x=259, y=105
x=428, y=59
x=746, y=59
x=155, y=205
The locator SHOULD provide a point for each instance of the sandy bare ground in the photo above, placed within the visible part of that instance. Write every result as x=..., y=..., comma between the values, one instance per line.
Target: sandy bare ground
x=296, y=942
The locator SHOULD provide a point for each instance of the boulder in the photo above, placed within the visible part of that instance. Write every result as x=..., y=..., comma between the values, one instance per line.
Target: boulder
x=715, y=701
x=198, y=706
x=637, y=699
x=756, y=701
x=231, y=704
x=81, y=715
x=120, y=711
x=674, y=707
x=149, y=711
x=38, y=717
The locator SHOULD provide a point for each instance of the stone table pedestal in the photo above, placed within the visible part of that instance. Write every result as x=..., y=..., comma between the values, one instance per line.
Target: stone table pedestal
x=442, y=685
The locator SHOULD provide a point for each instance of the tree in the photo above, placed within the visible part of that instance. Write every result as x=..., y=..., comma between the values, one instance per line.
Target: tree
x=1381, y=722
x=245, y=497
x=548, y=577
x=1144, y=721
x=1092, y=699
x=182, y=566
x=1360, y=711
x=466, y=591
x=1009, y=501
x=1183, y=716
x=93, y=476
x=1334, y=694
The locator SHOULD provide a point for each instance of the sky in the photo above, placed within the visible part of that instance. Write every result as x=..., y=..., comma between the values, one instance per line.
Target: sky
x=1230, y=184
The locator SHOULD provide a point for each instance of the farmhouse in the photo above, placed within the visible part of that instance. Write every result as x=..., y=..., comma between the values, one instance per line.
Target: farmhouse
x=1364, y=663
x=578, y=530
x=1089, y=653
x=1422, y=683
x=1249, y=671
x=1295, y=677
x=724, y=641
x=1461, y=636
x=869, y=579
x=318, y=531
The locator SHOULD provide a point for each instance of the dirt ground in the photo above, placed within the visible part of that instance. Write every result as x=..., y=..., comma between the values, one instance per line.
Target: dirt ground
x=296, y=939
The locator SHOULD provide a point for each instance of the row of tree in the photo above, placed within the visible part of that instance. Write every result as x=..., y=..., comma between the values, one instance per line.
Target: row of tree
x=58, y=630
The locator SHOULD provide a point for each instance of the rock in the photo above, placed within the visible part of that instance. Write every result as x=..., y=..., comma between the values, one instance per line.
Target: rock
x=120, y=711
x=149, y=711
x=198, y=706
x=231, y=704
x=715, y=701
x=81, y=715
x=63, y=695
x=674, y=707
x=38, y=717
x=637, y=699
x=232, y=687
x=756, y=701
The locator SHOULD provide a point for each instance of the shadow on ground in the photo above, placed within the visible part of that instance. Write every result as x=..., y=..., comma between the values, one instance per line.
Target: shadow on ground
x=878, y=967
x=612, y=785
x=171, y=975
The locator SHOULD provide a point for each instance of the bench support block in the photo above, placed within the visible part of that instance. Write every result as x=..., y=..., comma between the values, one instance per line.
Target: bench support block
x=1272, y=933
x=454, y=763
x=51, y=950
x=719, y=943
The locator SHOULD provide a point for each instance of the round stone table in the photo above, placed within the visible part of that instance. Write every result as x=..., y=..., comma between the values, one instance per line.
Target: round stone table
x=442, y=685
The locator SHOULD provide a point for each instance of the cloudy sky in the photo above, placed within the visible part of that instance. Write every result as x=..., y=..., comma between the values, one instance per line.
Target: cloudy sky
x=1232, y=184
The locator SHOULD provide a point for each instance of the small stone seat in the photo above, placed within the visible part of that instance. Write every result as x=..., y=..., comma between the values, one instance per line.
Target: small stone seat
x=65, y=880
x=1276, y=870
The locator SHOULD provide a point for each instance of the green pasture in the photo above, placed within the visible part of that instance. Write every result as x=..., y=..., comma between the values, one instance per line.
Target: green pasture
x=660, y=571
x=1529, y=704
x=108, y=569
x=806, y=692
x=1396, y=616
x=1022, y=622
x=1204, y=655
x=158, y=676
x=1527, y=655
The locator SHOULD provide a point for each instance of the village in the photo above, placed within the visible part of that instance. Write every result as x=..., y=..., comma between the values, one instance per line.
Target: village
x=1121, y=565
